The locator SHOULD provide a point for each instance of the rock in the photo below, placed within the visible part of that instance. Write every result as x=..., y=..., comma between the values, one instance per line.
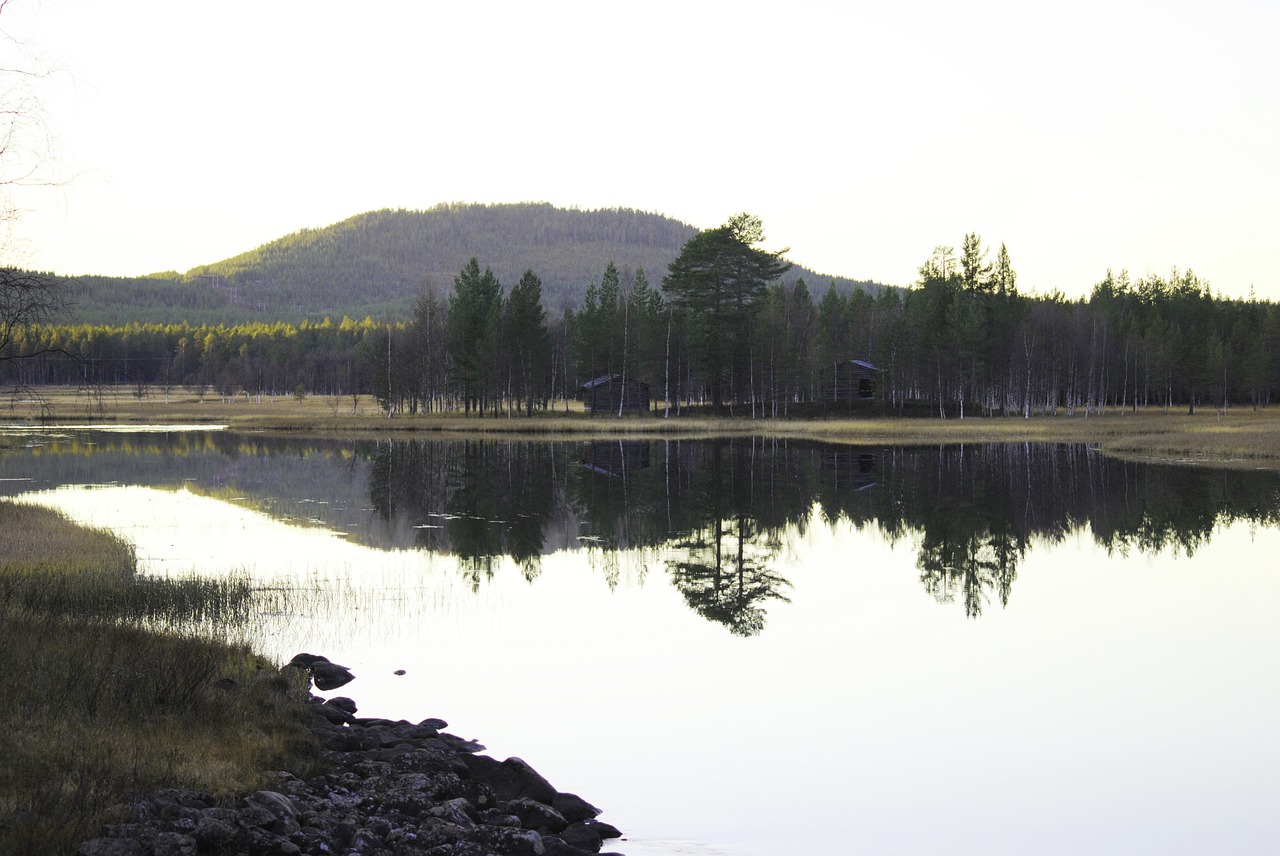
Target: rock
x=261, y=842
x=306, y=661
x=606, y=830
x=174, y=844
x=535, y=815
x=282, y=809
x=555, y=846
x=510, y=779
x=329, y=676
x=333, y=714
x=459, y=812
x=384, y=787
x=343, y=703
x=583, y=837
x=211, y=833
x=111, y=847
x=573, y=807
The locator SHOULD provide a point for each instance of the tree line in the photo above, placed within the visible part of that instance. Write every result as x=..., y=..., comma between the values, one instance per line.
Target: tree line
x=725, y=330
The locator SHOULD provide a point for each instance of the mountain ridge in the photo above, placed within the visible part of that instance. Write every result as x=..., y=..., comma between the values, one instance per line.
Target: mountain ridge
x=376, y=263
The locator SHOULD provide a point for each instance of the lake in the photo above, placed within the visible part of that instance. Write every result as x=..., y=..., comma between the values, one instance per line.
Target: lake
x=753, y=647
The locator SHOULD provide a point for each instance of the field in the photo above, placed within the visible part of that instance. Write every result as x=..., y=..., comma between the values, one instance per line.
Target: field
x=1237, y=438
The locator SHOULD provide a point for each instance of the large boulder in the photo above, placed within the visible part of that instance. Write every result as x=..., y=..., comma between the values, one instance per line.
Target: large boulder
x=574, y=808
x=329, y=676
x=324, y=674
x=510, y=779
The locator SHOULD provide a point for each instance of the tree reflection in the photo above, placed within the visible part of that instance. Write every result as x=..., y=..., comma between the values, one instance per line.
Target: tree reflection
x=725, y=572
x=715, y=512
x=712, y=514
x=480, y=500
x=734, y=596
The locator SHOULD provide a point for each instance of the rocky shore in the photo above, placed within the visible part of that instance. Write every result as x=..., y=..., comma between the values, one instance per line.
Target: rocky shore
x=389, y=787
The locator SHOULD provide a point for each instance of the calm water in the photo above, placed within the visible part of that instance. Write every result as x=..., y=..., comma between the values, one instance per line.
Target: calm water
x=764, y=648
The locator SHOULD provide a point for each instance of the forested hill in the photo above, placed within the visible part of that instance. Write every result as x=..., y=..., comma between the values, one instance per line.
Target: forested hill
x=374, y=264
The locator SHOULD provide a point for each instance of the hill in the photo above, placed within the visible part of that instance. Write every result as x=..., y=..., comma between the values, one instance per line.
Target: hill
x=374, y=264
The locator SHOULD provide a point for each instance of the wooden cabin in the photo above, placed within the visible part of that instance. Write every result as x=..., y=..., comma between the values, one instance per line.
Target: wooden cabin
x=852, y=380
x=612, y=395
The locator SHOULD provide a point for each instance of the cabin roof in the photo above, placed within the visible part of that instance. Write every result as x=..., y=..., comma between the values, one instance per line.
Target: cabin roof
x=602, y=380
x=607, y=379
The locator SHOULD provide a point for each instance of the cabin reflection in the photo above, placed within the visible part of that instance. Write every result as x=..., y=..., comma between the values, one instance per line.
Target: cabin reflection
x=616, y=458
x=852, y=469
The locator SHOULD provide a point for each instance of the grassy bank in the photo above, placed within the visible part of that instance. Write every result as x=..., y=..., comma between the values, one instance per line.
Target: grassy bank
x=109, y=692
x=1241, y=437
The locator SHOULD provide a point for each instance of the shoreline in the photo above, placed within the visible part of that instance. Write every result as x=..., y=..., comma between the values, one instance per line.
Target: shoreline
x=386, y=787
x=1239, y=438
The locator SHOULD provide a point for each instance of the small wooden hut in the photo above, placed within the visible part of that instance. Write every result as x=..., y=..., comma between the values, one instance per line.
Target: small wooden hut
x=852, y=380
x=612, y=395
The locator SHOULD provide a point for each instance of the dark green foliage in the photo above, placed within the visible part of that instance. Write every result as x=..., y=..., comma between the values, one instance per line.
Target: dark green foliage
x=717, y=283
x=527, y=342
x=472, y=334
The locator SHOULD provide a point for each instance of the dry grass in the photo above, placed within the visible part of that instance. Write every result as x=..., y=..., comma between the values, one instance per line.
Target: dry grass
x=1241, y=437
x=102, y=705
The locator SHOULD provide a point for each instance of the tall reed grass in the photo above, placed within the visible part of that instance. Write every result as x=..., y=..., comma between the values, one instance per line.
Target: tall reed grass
x=118, y=684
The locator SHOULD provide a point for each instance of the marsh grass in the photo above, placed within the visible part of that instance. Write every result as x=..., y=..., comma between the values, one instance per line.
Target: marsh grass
x=1239, y=437
x=118, y=684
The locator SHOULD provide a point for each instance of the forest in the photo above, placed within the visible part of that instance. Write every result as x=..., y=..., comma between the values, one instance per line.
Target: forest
x=724, y=328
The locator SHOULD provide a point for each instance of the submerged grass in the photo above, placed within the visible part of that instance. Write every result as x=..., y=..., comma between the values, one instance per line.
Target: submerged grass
x=110, y=692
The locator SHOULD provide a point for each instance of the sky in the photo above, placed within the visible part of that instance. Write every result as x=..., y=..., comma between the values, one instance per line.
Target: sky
x=1084, y=137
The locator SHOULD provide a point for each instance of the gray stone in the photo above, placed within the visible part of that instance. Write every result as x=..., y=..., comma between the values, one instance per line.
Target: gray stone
x=111, y=847
x=583, y=837
x=510, y=779
x=174, y=844
x=573, y=807
x=387, y=787
x=329, y=676
x=605, y=830
x=279, y=804
x=535, y=815
x=343, y=703
x=211, y=833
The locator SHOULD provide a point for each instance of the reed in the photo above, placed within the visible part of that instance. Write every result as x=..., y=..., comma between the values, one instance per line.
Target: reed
x=119, y=684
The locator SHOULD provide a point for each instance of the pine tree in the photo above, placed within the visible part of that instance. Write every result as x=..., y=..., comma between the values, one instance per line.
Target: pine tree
x=475, y=313
x=717, y=283
x=527, y=342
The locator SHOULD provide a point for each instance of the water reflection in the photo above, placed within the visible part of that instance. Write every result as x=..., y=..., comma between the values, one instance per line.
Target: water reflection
x=712, y=514
x=813, y=735
x=715, y=511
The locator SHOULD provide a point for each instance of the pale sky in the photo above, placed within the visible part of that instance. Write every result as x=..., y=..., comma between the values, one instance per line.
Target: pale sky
x=1084, y=136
